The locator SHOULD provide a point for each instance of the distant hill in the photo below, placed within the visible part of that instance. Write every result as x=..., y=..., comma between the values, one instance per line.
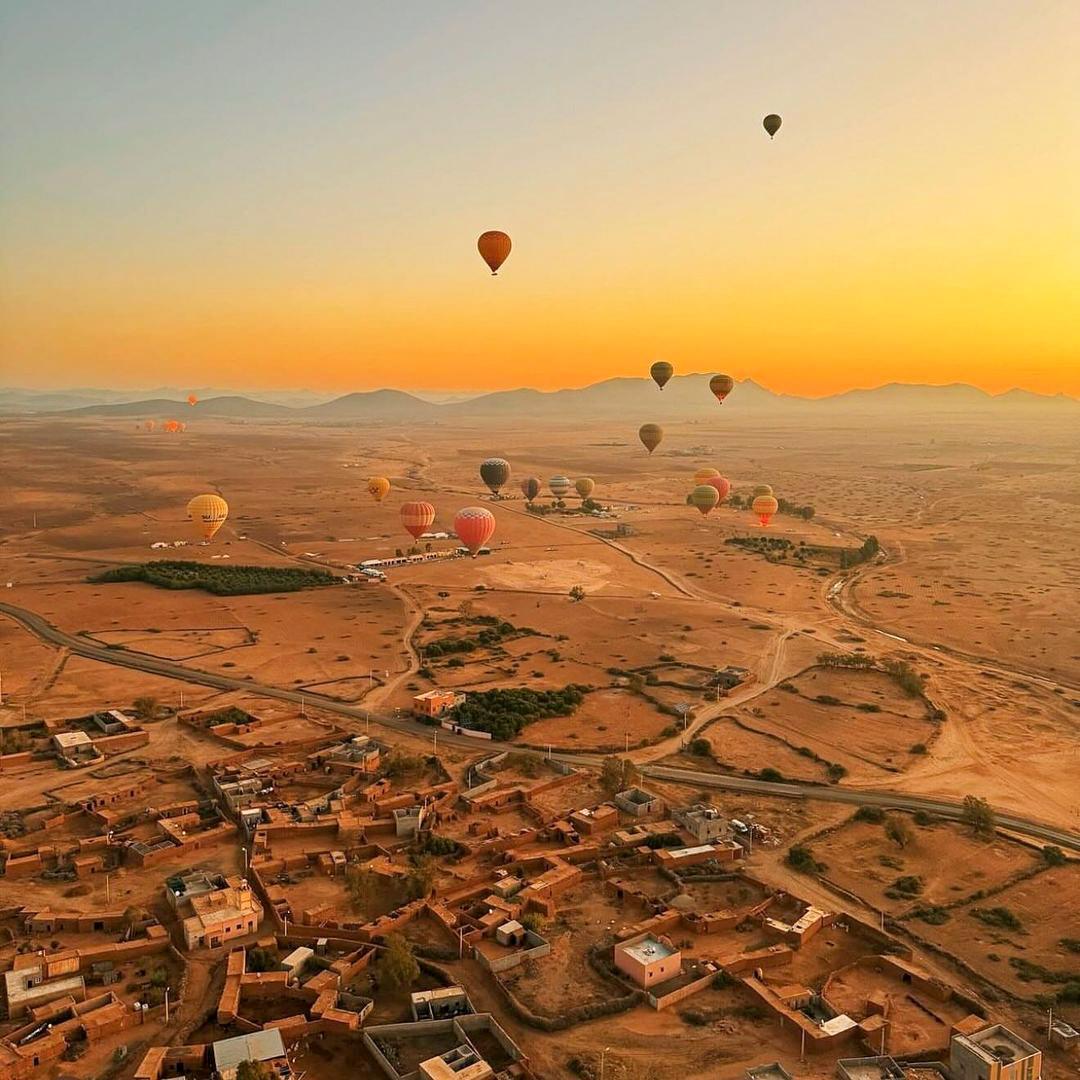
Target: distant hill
x=686, y=397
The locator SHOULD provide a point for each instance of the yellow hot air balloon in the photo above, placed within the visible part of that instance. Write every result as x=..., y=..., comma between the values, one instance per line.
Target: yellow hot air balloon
x=651, y=435
x=209, y=513
x=762, y=489
x=764, y=506
x=704, y=497
x=584, y=486
x=378, y=488
x=704, y=475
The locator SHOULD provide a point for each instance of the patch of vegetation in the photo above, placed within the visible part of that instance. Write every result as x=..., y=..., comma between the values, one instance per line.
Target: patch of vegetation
x=979, y=814
x=771, y=774
x=801, y=858
x=617, y=774
x=1053, y=856
x=933, y=914
x=1000, y=917
x=906, y=677
x=491, y=635
x=700, y=747
x=873, y=814
x=216, y=579
x=909, y=885
x=505, y=712
x=859, y=661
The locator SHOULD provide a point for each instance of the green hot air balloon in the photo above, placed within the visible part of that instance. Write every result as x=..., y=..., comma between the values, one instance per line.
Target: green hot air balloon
x=530, y=487
x=762, y=489
x=771, y=124
x=661, y=371
x=651, y=435
x=705, y=497
x=495, y=472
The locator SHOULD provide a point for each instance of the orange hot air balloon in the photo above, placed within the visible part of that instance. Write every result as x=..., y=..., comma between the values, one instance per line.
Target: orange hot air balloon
x=765, y=506
x=172, y=426
x=209, y=513
x=474, y=526
x=192, y=399
x=417, y=517
x=494, y=247
x=721, y=386
x=722, y=485
x=378, y=488
x=651, y=436
x=703, y=476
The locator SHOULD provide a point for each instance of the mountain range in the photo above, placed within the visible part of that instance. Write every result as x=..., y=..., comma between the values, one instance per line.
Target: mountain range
x=685, y=397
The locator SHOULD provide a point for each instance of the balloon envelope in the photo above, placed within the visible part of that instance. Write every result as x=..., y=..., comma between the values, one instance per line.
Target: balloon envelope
x=192, y=399
x=651, y=436
x=704, y=497
x=762, y=489
x=530, y=487
x=209, y=513
x=661, y=371
x=559, y=486
x=417, y=518
x=474, y=526
x=721, y=386
x=722, y=485
x=584, y=486
x=771, y=124
x=764, y=506
x=704, y=475
x=494, y=246
x=495, y=472
x=378, y=488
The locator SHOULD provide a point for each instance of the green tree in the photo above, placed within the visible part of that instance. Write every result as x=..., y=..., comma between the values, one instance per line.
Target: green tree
x=617, y=774
x=577, y=594
x=700, y=747
x=898, y=831
x=421, y=879
x=398, y=968
x=359, y=884
x=254, y=1070
x=979, y=814
x=145, y=707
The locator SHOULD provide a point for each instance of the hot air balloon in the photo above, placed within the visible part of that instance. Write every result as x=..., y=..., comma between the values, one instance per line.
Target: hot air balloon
x=764, y=506
x=209, y=513
x=722, y=485
x=584, y=486
x=559, y=486
x=474, y=526
x=417, y=518
x=192, y=399
x=149, y=425
x=495, y=472
x=172, y=426
x=651, y=436
x=378, y=488
x=721, y=386
x=771, y=124
x=661, y=371
x=704, y=497
x=494, y=247
x=762, y=489
x=704, y=475
x=530, y=487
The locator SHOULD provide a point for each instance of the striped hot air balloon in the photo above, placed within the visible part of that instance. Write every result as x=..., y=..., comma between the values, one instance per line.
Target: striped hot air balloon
x=417, y=517
x=559, y=486
x=704, y=475
x=474, y=526
x=704, y=497
x=722, y=485
x=765, y=506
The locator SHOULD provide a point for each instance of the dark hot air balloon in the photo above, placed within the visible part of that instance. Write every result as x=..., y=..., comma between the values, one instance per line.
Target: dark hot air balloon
x=771, y=124
x=651, y=435
x=530, y=487
x=704, y=497
x=721, y=386
x=661, y=371
x=494, y=246
x=495, y=472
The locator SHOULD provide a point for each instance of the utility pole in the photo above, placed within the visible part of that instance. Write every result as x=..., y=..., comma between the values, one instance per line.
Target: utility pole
x=108, y=890
x=167, y=989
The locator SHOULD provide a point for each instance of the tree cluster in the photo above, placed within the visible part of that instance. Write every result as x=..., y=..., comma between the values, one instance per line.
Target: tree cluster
x=219, y=580
x=505, y=712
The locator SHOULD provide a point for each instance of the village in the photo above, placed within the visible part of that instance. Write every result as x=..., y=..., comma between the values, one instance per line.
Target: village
x=313, y=900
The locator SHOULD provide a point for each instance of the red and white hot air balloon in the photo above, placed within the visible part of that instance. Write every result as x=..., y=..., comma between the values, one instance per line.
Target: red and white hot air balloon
x=474, y=526
x=417, y=517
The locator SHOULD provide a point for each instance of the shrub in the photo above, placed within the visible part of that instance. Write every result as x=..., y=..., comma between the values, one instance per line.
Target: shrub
x=873, y=814
x=771, y=774
x=932, y=914
x=700, y=747
x=1000, y=917
x=801, y=858
x=909, y=885
x=1053, y=855
x=918, y=748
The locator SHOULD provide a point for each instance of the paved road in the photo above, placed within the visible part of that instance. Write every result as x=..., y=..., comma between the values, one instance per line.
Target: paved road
x=947, y=808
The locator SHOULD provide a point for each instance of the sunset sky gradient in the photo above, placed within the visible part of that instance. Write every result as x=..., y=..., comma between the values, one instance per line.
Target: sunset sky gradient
x=287, y=194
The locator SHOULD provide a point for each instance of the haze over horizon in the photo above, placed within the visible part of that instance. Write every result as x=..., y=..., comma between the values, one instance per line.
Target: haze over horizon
x=274, y=196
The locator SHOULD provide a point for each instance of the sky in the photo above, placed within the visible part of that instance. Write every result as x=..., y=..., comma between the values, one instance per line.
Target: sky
x=289, y=194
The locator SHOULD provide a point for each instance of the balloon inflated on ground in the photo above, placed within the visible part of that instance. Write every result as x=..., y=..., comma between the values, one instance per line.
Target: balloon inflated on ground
x=475, y=526
x=765, y=506
x=417, y=518
x=762, y=489
x=495, y=472
x=209, y=513
x=584, y=486
x=494, y=247
x=722, y=485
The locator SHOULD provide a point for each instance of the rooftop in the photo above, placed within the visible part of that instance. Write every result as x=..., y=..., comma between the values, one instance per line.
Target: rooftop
x=998, y=1043
x=869, y=1068
x=262, y=1045
x=648, y=950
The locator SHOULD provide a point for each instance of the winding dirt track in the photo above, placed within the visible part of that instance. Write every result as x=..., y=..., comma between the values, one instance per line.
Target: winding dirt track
x=41, y=628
